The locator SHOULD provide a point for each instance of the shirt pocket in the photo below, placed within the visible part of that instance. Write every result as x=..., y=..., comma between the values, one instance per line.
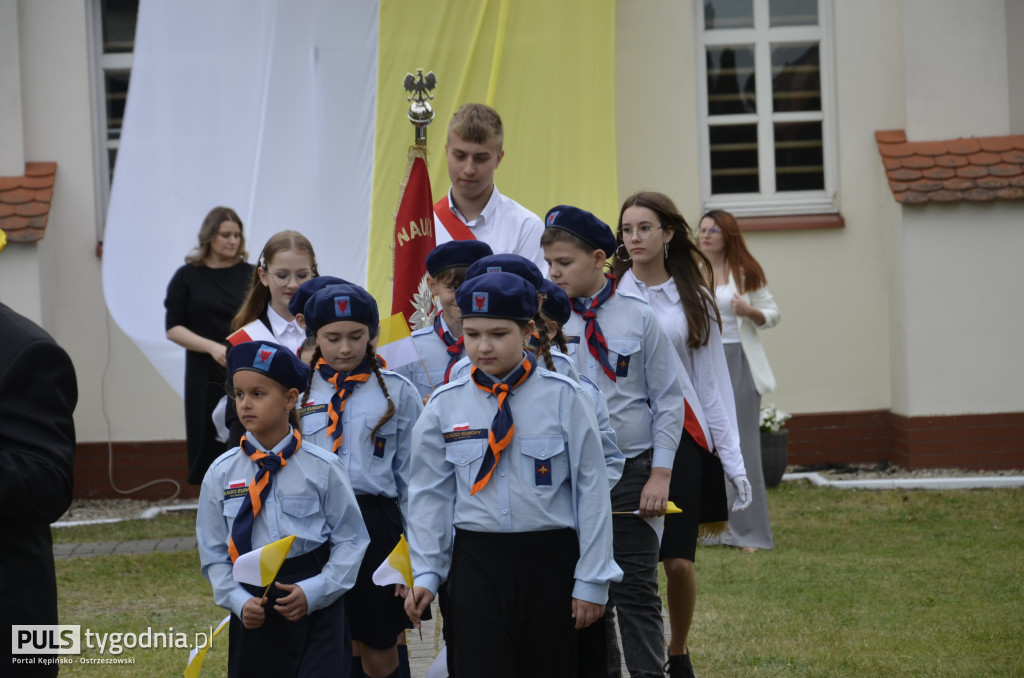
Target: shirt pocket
x=382, y=444
x=621, y=354
x=300, y=515
x=466, y=456
x=314, y=423
x=544, y=462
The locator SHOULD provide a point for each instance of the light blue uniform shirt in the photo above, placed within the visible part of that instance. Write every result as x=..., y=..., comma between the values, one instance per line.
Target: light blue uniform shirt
x=613, y=459
x=650, y=374
x=427, y=373
x=551, y=476
x=378, y=466
x=309, y=497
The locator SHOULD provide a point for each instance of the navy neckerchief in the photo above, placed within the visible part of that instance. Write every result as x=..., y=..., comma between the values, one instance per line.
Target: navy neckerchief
x=595, y=338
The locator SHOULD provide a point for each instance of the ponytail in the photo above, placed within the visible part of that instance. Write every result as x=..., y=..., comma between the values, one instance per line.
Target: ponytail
x=375, y=365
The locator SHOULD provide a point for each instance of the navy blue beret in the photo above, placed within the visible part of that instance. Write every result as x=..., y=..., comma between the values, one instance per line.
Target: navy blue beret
x=497, y=295
x=556, y=304
x=307, y=289
x=507, y=263
x=342, y=302
x=583, y=225
x=456, y=253
x=270, y=359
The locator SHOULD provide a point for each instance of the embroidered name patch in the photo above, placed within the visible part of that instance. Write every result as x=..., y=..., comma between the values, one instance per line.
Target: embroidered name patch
x=236, y=488
x=465, y=434
x=541, y=472
x=312, y=409
x=378, y=447
x=572, y=340
x=622, y=366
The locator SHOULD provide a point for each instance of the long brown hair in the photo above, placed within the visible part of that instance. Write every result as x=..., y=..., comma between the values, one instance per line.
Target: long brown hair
x=683, y=261
x=259, y=294
x=211, y=225
x=745, y=270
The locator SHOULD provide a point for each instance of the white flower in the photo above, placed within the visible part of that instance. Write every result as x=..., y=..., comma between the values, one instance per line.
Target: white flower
x=772, y=419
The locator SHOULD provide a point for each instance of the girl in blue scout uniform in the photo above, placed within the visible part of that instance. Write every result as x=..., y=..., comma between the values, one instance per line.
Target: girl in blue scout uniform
x=273, y=485
x=623, y=349
x=440, y=345
x=365, y=415
x=510, y=455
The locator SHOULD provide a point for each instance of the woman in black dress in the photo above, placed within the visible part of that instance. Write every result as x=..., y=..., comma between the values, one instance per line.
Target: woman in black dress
x=202, y=298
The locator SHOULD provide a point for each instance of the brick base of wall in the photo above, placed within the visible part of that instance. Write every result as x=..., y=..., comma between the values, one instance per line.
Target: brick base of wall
x=976, y=441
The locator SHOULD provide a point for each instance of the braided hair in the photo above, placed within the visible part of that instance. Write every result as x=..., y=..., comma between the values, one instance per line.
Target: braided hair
x=375, y=364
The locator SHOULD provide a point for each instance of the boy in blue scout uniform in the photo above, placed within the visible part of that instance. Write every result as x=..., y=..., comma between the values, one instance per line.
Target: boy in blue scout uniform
x=440, y=345
x=274, y=485
x=619, y=344
x=510, y=455
x=365, y=415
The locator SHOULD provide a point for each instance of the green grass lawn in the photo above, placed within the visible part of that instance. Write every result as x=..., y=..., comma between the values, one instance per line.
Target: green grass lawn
x=176, y=524
x=861, y=583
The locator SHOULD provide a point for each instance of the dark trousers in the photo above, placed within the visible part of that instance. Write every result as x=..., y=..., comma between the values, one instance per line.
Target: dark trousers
x=319, y=644
x=511, y=601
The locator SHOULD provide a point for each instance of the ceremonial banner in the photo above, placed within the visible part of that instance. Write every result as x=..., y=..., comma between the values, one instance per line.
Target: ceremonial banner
x=414, y=234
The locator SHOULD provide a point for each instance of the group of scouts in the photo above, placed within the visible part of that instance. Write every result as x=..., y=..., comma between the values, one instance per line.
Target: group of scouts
x=539, y=407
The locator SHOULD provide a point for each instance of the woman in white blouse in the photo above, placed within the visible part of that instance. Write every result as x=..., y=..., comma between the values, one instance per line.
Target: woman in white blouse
x=657, y=260
x=746, y=306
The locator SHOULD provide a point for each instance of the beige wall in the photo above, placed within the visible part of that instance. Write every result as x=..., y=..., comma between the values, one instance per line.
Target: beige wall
x=58, y=127
x=963, y=300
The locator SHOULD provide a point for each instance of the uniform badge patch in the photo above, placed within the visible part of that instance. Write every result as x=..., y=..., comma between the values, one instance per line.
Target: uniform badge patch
x=494, y=269
x=480, y=301
x=264, y=357
x=622, y=366
x=541, y=472
x=342, y=307
x=236, y=488
x=378, y=447
x=572, y=340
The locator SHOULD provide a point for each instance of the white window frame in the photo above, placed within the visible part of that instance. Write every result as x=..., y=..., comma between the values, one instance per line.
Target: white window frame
x=101, y=64
x=768, y=201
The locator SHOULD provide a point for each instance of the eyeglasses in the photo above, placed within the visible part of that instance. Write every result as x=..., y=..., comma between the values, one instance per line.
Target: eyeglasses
x=643, y=231
x=710, y=231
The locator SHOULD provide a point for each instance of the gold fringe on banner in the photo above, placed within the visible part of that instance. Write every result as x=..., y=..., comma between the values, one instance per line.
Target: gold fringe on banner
x=709, y=530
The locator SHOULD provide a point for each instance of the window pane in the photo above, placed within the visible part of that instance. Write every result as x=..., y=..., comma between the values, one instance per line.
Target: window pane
x=796, y=77
x=731, y=80
x=734, y=159
x=799, y=162
x=728, y=14
x=117, y=94
x=793, y=13
x=118, y=25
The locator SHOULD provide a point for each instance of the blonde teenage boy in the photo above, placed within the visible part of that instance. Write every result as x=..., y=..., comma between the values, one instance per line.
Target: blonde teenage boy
x=473, y=208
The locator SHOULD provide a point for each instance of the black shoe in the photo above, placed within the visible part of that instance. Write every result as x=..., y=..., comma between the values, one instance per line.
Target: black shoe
x=679, y=666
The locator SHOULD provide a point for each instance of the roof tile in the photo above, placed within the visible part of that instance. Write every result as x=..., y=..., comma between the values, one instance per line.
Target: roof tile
x=996, y=144
x=896, y=150
x=924, y=185
x=1014, y=157
x=972, y=168
x=979, y=195
x=963, y=146
x=938, y=173
x=972, y=172
x=951, y=161
x=1005, y=169
x=1011, y=193
x=993, y=183
x=25, y=202
x=946, y=196
x=918, y=162
x=984, y=158
x=891, y=136
x=958, y=184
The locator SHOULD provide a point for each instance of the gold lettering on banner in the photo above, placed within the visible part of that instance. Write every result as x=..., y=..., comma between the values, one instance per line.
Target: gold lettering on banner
x=423, y=229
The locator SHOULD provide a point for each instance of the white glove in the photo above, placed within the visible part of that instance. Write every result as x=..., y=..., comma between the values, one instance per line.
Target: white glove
x=744, y=495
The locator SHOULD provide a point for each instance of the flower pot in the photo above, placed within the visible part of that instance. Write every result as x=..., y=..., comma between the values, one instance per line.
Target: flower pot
x=774, y=456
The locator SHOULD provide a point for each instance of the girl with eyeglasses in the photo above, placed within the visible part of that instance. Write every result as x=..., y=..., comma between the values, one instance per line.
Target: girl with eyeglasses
x=746, y=306
x=656, y=260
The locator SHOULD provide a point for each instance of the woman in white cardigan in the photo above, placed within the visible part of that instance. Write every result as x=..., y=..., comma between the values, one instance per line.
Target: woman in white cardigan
x=746, y=306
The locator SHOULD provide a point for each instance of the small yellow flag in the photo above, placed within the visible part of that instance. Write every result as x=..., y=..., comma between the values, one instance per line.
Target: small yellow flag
x=672, y=508
x=397, y=569
x=259, y=567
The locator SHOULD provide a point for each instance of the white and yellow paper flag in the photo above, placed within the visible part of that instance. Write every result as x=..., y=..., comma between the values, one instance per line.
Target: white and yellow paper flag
x=198, y=654
x=658, y=522
x=397, y=568
x=259, y=567
x=396, y=345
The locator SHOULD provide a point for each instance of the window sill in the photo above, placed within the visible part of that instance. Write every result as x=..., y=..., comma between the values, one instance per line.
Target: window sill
x=796, y=222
